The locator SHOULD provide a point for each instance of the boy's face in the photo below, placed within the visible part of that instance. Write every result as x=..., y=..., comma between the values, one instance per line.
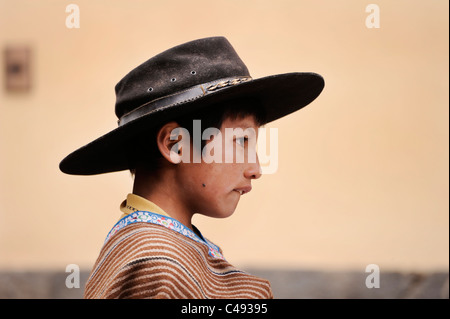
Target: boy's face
x=214, y=189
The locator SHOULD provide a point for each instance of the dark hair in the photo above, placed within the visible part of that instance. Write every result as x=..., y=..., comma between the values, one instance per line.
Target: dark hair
x=147, y=151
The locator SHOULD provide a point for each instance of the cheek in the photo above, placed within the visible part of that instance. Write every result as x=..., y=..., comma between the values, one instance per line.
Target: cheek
x=228, y=151
x=214, y=178
x=194, y=176
x=218, y=178
x=217, y=198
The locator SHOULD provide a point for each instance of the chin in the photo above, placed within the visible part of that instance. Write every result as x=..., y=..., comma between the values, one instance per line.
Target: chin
x=222, y=213
x=220, y=210
x=226, y=215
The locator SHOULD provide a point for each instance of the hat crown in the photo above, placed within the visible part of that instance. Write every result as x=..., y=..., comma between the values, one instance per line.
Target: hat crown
x=178, y=69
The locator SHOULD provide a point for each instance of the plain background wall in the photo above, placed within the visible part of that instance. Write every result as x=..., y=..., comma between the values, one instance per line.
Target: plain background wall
x=363, y=171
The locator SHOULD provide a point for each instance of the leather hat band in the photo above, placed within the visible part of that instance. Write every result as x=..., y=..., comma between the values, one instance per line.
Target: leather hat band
x=181, y=97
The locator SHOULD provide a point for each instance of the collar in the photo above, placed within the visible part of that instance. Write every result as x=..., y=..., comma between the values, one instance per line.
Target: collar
x=138, y=209
x=135, y=203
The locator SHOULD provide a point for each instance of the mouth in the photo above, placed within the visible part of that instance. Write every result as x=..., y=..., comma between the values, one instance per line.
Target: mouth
x=243, y=190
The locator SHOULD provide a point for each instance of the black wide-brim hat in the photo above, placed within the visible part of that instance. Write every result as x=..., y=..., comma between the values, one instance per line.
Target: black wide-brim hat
x=192, y=76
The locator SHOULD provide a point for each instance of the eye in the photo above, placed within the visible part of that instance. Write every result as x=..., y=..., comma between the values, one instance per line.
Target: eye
x=242, y=140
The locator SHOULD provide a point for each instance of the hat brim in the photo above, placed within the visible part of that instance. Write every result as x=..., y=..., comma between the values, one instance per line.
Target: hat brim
x=280, y=95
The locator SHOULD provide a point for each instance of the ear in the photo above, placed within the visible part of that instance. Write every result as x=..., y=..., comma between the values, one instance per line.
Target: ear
x=166, y=143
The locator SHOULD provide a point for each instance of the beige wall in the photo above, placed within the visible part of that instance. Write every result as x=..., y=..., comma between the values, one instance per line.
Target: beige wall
x=363, y=171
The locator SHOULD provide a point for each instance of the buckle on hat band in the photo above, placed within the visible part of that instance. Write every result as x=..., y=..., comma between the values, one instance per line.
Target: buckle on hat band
x=188, y=95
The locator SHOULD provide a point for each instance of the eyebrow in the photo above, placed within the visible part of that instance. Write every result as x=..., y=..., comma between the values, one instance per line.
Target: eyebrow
x=244, y=124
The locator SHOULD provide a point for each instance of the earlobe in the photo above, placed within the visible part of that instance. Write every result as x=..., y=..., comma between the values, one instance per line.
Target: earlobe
x=175, y=154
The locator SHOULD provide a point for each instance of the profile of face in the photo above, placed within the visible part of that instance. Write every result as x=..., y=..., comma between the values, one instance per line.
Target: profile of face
x=213, y=185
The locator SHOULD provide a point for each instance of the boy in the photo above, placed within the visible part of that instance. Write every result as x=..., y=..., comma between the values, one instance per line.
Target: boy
x=154, y=251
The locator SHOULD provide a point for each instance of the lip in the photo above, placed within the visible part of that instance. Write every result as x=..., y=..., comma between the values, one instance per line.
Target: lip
x=243, y=190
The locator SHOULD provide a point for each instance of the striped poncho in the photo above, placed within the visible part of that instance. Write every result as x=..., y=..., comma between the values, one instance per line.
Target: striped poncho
x=147, y=255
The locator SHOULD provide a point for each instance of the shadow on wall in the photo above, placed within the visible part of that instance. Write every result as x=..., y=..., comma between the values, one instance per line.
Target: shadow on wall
x=285, y=285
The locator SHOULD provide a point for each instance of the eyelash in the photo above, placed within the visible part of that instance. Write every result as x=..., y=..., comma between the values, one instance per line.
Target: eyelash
x=245, y=139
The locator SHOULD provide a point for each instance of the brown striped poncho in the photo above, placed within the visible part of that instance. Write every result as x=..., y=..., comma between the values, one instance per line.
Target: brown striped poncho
x=145, y=260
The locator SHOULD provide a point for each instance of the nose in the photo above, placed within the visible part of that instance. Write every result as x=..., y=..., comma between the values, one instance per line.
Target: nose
x=253, y=170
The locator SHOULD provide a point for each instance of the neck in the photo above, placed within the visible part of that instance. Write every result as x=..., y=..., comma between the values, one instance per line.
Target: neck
x=161, y=188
